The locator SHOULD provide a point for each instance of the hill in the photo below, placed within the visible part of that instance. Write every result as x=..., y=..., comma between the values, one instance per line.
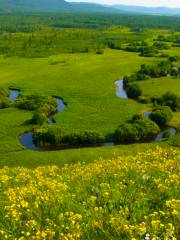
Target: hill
x=9, y=6
x=148, y=10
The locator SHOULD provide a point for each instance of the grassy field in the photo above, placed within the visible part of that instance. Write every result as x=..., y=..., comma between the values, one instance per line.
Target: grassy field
x=125, y=198
x=157, y=87
x=84, y=81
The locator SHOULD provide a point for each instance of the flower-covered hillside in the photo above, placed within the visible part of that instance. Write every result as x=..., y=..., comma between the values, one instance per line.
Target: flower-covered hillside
x=125, y=198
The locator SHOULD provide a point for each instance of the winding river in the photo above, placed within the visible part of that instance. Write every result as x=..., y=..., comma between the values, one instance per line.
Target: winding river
x=26, y=139
x=160, y=137
x=120, y=91
x=13, y=95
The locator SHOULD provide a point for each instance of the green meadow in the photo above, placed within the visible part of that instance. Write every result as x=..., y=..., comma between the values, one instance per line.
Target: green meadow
x=114, y=173
x=86, y=83
x=80, y=65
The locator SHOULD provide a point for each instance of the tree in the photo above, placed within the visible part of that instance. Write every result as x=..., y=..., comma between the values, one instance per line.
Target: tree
x=134, y=91
x=161, y=115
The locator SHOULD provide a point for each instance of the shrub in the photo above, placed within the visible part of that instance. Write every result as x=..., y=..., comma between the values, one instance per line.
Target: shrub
x=82, y=138
x=39, y=118
x=147, y=128
x=4, y=102
x=161, y=115
x=99, y=51
x=4, y=93
x=140, y=129
x=50, y=135
x=53, y=135
x=48, y=105
x=171, y=100
x=173, y=58
x=126, y=133
x=174, y=141
x=175, y=71
x=134, y=91
x=166, y=133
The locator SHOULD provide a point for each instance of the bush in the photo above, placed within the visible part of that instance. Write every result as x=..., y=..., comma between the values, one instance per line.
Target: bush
x=171, y=100
x=173, y=58
x=53, y=135
x=174, y=141
x=126, y=133
x=39, y=118
x=140, y=129
x=4, y=93
x=48, y=105
x=166, y=134
x=4, y=103
x=161, y=115
x=82, y=138
x=134, y=91
x=99, y=51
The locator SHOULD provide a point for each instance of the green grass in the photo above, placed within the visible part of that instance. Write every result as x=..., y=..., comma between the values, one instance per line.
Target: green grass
x=158, y=86
x=86, y=83
x=130, y=197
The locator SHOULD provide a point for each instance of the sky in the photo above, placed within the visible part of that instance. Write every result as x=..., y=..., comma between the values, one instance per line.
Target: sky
x=155, y=3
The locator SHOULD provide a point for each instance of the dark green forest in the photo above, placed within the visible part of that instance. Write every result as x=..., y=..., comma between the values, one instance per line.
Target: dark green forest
x=40, y=35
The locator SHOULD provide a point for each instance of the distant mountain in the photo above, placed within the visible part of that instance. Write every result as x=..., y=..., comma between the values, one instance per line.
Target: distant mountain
x=53, y=6
x=148, y=10
x=33, y=5
x=8, y=6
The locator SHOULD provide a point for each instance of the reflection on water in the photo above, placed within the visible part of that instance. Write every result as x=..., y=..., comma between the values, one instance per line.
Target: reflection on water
x=120, y=91
x=13, y=95
x=160, y=137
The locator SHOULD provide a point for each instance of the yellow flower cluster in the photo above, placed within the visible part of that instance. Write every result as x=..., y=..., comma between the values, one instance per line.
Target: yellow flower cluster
x=128, y=198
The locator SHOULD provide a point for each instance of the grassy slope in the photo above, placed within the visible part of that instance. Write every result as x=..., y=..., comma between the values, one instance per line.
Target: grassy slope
x=123, y=198
x=86, y=82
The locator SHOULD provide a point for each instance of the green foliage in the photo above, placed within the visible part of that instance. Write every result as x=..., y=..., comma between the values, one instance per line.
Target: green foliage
x=41, y=35
x=147, y=49
x=4, y=93
x=4, y=102
x=83, y=138
x=146, y=72
x=47, y=105
x=54, y=136
x=133, y=91
x=50, y=135
x=170, y=99
x=4, y=98
x=166, y=134
x=99, y=51
x=161, y=45
x=141, y=129
x=173, y=58
x=174, y=141
x=39, y=118
x=161, y=115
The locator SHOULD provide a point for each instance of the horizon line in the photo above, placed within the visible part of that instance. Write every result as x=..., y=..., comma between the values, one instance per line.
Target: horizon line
x=123, y=4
